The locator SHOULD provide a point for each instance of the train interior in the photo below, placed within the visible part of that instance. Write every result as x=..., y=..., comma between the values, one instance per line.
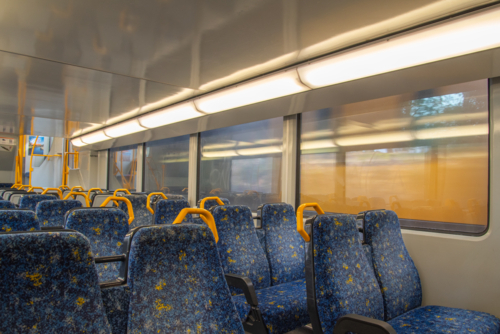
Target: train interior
x=259, y=167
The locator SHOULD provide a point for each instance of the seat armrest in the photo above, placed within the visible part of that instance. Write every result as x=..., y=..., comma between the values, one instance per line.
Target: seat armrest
x=362, y=325
x=244, y=283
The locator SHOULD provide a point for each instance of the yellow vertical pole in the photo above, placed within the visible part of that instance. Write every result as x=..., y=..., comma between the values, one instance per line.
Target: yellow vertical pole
x=31, y=160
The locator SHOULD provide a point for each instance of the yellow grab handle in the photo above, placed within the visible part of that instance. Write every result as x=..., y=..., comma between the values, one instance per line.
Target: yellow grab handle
x=219, y=201
x=33, y=188
x=78, y=193
x=123, y=190
x=93, y=189
x=24, y=186
x=15, y=186
x=300, y=218
x=123, y=199
x=205, y=215
x=59, y=192
x=148, y=203
x=64, y=187
x=76, y=187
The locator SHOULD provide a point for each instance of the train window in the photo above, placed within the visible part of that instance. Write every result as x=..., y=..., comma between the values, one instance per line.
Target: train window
x=166, y=165
x=123, y=168
x=243, y=163
x=423, y=155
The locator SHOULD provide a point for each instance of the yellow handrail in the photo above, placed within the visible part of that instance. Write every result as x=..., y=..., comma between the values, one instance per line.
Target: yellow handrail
x=64, y=187
x=78, y=193
x=148, y=203
x=300, y=218
x=23, y=186
x=59, y=192
x=33, y=188
x=77, y=187
x=205, y=215
x=15, y=186
x=122, y=190
x=93, y=189
x=123, y=199
x=202, y=203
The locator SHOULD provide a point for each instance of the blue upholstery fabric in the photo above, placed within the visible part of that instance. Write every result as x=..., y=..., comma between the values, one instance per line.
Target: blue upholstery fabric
x=49, y=291
x=438, y=319
x=344, y=281
x=116, y=301
x=105, y=228
x=261, y=234
x=167, y=210
x=142, y=216
x=6, y=185
x=30, y=201
x=368, y=254
x=396, y=273
x=284, y=245
x=239, y=247
x=210, y=203
x=171, y=196
x=6, y=205
x=177, y=283
x=283, y=308
x=18, y=220
x=51, y=213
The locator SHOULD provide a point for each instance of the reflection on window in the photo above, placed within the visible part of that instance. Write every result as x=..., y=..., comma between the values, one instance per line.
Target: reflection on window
x=423, y=155
x=167, y=166
x=243, y=163
x=123, y=168
x=38, y=146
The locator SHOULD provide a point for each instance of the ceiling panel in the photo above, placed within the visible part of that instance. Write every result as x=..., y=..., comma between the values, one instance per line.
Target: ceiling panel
x=50, y=90
x=190, y=43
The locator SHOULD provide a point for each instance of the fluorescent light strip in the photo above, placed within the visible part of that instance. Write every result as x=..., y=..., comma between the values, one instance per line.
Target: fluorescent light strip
x=262, y=89
x=95, y=137
x=466, y=35
x=78, y=142
x=456, y=38
x=124, y=128
x=174, y=114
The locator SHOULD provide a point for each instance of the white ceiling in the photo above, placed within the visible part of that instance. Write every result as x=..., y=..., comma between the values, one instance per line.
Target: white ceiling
x=68, y=66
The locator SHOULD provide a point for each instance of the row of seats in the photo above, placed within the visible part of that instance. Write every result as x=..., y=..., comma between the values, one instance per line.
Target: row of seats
x=268, y=283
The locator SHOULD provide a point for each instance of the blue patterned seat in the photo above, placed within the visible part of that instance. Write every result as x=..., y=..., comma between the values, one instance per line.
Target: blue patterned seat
x=283, y=244
x=30, y=201
x=177, y=283
x=401, y=289
x=105, y=228
x=49, y=285
x=18, y=220
x=339, y=274
x=166, y=210
x=242, y=254
x=51, y=213
x=210, y=203
x=6, y=205
x=142, y=216
x=116, y=301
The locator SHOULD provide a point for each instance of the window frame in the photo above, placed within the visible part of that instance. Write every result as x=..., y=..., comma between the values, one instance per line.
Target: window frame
x=403, y=220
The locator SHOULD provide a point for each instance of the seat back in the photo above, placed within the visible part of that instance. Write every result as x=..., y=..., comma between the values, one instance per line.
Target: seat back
x=210, y=203
x=394, y=268
x=339, y=278
x=30, y=201
x=49, y=284
x=141, y=213
x=239, y=246
x=52, y=213
x=284, y=246
x=6, y=185
x=6, y=205
x=166, y=210
x=98, y=199
x=18, y=220
x=105, y=228
x=7, y=194
x=177, y=283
